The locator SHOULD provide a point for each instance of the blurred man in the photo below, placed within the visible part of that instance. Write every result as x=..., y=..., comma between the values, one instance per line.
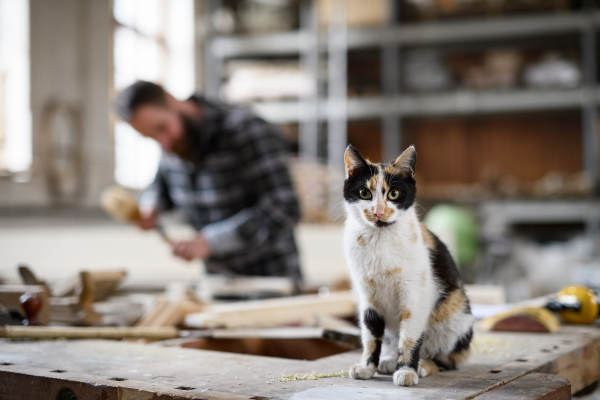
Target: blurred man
x=226, y=170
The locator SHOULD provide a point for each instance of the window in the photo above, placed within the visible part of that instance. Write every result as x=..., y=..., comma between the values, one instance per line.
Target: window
x=15, y=112
x=153, y=41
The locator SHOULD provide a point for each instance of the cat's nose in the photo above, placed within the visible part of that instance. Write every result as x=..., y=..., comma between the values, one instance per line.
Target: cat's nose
x=379, y=214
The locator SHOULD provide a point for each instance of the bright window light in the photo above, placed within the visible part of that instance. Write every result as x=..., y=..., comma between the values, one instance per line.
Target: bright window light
x=15, y=111
x=153, y=41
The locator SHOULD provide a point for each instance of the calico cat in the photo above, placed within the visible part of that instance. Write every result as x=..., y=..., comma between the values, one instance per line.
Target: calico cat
x=415, y=317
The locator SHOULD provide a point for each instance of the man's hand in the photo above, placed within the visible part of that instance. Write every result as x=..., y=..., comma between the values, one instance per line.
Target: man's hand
x=148, y=220
x=192, y=249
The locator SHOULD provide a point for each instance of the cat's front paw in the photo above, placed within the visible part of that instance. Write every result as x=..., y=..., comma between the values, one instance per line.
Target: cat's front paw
x=405, y=377
x=359, y=372
x=387, y=365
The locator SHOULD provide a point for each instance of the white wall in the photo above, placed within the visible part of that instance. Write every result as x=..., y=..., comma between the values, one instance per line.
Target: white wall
x=71, y=61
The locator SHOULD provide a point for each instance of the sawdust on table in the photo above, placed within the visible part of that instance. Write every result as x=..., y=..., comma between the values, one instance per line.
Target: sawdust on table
x=490, y=345
x=311, y=376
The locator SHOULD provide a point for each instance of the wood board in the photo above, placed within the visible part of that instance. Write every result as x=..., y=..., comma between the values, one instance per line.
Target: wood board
x=117, y=370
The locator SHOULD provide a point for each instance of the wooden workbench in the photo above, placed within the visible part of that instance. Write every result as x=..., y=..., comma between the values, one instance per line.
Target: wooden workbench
x=503, y=366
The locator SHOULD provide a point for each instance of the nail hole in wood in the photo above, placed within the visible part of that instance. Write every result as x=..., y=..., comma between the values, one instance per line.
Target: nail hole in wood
x=556, y=347
x=117, y=379
x=66, y=394
x=522, y=360
x=546, y=350
x=185, y=388
x=6, y=364
x=495, y=371
x=58, y=371
x=567, y=341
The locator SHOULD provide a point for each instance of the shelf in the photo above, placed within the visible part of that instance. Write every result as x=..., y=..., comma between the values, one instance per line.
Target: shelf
x=280, y=43
x=498, y=215
x=456, y=103
x=476, y=30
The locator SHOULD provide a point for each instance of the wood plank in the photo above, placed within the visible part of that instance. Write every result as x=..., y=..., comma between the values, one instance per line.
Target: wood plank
x=532, y=387
x=272, y=312
x=100, y=332
x=41, y=384
x=498, y=359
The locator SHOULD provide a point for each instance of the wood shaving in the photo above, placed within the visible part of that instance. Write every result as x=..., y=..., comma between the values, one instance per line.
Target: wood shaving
x=312, y=376
x=491, y=345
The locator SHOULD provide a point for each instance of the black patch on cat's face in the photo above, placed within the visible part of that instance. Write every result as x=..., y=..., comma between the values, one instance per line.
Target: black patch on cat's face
x=402, y=182
x=358, y=181
x=406, y=185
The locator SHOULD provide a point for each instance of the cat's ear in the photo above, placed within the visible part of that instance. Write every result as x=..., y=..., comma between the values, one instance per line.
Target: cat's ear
x=405, y=163
x=353, y=160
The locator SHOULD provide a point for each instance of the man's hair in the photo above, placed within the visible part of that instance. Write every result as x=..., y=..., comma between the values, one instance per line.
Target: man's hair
x=139, y=93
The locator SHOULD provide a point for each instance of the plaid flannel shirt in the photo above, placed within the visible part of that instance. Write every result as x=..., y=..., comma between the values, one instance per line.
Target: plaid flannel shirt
x=238, y=193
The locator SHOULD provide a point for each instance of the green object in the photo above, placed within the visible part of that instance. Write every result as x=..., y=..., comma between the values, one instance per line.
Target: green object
x=458, y=225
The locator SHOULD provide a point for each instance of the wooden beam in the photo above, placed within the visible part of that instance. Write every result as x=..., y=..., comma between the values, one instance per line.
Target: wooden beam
x=272, y=312
x=532, y=387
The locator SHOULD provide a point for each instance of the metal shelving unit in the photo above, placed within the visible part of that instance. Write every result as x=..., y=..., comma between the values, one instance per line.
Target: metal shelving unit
x=310, y=46
x=413, y=34
x=453, y=103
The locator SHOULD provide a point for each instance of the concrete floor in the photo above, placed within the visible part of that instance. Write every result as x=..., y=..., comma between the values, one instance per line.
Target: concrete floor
x=56, y=248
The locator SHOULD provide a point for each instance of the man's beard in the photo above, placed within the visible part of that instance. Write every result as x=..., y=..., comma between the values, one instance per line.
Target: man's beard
x=189, y=147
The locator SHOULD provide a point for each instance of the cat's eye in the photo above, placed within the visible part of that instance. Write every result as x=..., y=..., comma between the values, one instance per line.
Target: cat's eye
x=365, y=194
x=393, y=194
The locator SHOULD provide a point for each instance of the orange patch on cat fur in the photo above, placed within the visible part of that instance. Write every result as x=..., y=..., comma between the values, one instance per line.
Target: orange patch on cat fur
x=369, y=281
x=428, y=367
x=390, y=272
x=405, y=346
x=370, y=216
x=387, y=213
x=404, y=357
x=459, y=358
x=414, y=235
x=360, y=241
x=372, y=181
x=454, y=302
x=455, y=359
x=371, y=346
x=427, y=237
x=404, y=315
x=374, y=303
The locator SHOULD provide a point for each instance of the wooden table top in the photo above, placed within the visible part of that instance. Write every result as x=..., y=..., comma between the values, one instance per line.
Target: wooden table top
x=97, y=369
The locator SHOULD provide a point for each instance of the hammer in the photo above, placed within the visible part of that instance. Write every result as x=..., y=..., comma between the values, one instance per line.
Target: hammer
x=119, y=204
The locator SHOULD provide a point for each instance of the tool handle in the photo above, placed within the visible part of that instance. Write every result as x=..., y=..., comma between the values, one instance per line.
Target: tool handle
x=161, y=231
x=68, y=332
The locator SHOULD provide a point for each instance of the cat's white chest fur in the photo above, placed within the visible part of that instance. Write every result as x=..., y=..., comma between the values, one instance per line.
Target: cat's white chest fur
x=390, y=266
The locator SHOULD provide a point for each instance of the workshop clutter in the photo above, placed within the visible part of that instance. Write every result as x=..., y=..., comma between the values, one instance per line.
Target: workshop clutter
x=101, y=304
